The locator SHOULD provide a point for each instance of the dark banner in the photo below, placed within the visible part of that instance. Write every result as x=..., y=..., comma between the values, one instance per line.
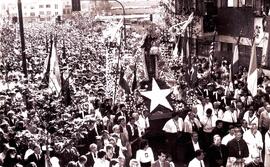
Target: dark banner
x=230, y=21
x=267, y=24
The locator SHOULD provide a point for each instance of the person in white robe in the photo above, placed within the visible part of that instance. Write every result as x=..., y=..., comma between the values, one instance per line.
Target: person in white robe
x=208, y=104
x=101, y=161
x=199, y=109
x=142, y=122
x=198, y=160
x=174, y=124
x=229, y=136
x=173, y=129
x=203, y=106
x=191, y=123
x=251, y=117
x=217, y=110
x=253, y=138
x=229, y=115
x=267, y=148
x=209, y=122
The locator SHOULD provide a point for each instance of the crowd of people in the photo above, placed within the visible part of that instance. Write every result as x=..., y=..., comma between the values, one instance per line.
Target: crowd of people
x=214, y=123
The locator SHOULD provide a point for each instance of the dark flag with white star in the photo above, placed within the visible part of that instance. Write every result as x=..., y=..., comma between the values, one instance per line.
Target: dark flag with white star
x=157, y=96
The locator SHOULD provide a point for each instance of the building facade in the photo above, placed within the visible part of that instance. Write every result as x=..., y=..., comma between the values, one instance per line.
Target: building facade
x=230, y=19
x=134, y=10
x=32, y=10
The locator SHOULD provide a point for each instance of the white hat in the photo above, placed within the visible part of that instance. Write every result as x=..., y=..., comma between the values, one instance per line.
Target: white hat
x=11, y=112
x=217, y=103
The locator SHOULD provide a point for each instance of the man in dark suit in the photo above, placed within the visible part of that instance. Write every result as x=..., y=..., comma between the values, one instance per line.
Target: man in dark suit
x=161, y=162
x=217, y=153
x=238, y=150
x=200, y=90
x=116, y=149
x=133, y=136
x=192, y=146
x=37, y=157
x=244, y=126
x=209, y=91
x=91, y=155
x=219, y=93
x=121, y=111
x=240, y=111
x=94, y=129
x=68, y=153
x=219, y=129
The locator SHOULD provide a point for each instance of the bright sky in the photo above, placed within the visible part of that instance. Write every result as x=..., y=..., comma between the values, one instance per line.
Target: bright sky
x=23, y=1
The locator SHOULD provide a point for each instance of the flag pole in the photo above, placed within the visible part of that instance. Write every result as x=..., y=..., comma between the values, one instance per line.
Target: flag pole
x=133, y=87
x=47, y=73
x=117, y=71
x=24, y=63
x=188, y=55
x=252, y=77
x=240, y=35
x=212, y=50
x=116, y=76
x=190, y=26
x=234, y=59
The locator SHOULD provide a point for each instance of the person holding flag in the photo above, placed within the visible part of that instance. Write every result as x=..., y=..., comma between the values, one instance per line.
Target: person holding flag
x=252, y=77
x=52, y=74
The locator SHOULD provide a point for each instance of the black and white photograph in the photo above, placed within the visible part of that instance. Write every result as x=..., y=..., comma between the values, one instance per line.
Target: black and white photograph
x=134, y=83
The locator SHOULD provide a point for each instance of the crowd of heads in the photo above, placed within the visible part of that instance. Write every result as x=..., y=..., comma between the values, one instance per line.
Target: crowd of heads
x=32, y=116
x=33, y=120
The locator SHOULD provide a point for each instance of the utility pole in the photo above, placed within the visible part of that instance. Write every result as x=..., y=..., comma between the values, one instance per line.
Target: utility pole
x=24, y=65
x=124, y=13
x=124, y=22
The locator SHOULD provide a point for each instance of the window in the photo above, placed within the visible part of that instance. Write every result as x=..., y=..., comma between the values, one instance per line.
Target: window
x=48, y=6
x=56, y=13
x=42, y=19
x=236, y=3
x=230, y=3
x=244, y=50
x=248, y=2
x=244, y=55
x=41, y=12
x=32, y=14
x=41, y=6
x=227, y=47
x=66, y=11
x=56, y=6
x=222, y=3
x=266, y=4
x=210, y=8
x=32, y=7
x=48, y=12
x=203, y=47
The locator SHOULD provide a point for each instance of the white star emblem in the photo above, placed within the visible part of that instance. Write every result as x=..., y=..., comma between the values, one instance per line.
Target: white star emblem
x=157, y=96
